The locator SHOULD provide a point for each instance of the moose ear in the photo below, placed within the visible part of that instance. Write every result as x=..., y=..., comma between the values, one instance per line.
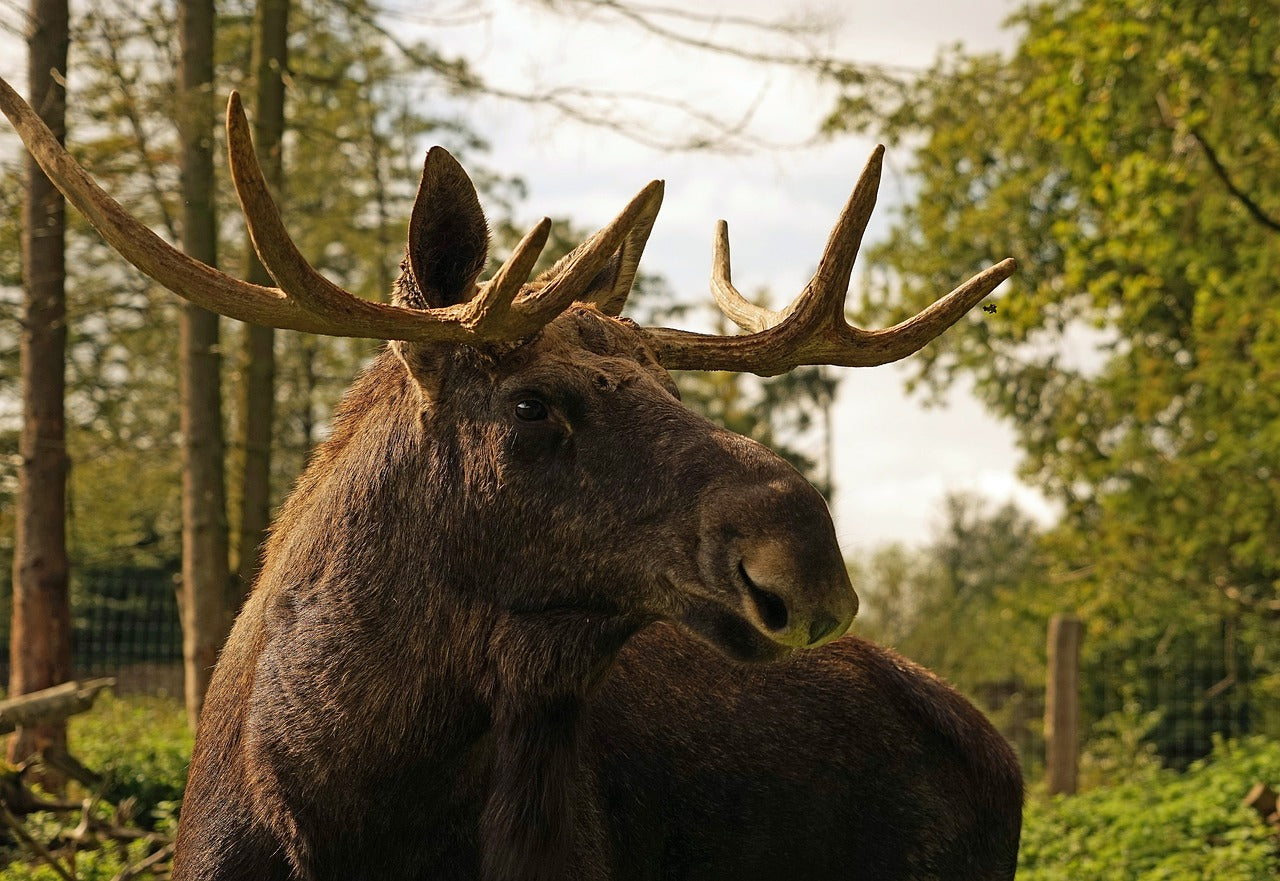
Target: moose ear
x=448, y=236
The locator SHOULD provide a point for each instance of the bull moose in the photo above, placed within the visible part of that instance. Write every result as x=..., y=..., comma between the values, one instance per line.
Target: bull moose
x=513, y=621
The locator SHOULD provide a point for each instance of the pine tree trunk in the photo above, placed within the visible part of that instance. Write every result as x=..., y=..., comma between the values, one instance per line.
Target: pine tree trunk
x=40, y=645
x=270, y=58
x=205, y=595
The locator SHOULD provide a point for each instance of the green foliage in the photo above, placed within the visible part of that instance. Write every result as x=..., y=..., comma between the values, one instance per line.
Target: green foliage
x=941, y=604
x=1159, y=824
x=1120, y=747
x=141, y=746
x=1128, y=155
x=104, y=864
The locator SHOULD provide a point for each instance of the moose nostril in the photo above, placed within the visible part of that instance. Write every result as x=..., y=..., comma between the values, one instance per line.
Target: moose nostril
x=821, y=626
x=771, y=607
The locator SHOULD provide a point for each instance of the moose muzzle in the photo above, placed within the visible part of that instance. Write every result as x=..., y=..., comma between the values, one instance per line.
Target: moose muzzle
x=774, y=546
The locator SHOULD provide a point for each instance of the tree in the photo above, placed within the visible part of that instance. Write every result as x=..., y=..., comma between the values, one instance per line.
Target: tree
x=982, y=573
x=40, y=646
x=268, y=64
x=1128, y=154
x=204, y=598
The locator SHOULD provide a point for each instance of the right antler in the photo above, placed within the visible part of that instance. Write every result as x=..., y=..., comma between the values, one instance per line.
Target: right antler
x=813, y=330
x=305, y=300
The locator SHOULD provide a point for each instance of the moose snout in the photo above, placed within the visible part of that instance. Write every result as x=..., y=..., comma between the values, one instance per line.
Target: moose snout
x=775, y=546
x=787, y=601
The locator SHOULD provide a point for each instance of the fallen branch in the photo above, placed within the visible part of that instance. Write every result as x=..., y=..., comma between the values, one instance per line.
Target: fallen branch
x=150, y=862
x=50, y=704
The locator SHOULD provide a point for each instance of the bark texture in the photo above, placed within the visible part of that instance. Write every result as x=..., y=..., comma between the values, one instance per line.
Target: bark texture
x=257, y=407
x=40, y=647
x=205, y=594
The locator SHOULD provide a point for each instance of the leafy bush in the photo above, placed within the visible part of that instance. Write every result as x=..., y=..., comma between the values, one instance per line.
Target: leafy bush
x=141, y=746
x=1160, y=824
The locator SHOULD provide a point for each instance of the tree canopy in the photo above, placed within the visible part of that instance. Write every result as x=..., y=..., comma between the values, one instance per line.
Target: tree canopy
x=1128, y=155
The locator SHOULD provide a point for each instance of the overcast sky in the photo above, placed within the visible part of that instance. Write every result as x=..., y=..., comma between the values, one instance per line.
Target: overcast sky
x=894, y=459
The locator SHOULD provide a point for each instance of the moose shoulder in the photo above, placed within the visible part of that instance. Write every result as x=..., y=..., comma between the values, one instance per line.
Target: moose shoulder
x=510, y=623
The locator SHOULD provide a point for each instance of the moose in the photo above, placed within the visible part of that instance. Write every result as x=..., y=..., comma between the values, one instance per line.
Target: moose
x=526, y=616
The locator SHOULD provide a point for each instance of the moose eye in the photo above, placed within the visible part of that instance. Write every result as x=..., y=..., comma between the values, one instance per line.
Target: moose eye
x=531, y=410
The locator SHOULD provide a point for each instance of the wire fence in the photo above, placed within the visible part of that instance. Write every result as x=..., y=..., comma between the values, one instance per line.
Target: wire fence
x=1175, y=697
x=1193, y=686
x=1188, y=690
x=124, y=624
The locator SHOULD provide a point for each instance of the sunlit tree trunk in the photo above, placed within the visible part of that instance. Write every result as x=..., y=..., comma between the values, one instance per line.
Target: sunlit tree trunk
x=205, y=595
x=40, y=646
x=270, y=59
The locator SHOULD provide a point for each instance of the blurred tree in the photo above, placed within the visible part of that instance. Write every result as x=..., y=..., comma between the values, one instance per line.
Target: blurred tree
x=40, y=639
x=267, y=66
x=1128, y=154
x=981, y=574
x=205, y=593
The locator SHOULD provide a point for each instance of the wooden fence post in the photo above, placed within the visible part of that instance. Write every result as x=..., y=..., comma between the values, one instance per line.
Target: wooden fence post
x=1062, y=704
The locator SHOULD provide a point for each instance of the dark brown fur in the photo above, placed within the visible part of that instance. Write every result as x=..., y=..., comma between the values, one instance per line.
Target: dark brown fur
x=453, y=664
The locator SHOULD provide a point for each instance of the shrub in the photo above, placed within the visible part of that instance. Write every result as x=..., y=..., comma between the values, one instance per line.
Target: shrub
x=141, y=746
x=1160, y=824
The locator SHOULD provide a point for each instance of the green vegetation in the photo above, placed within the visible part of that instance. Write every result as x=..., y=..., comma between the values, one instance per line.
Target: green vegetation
x=1153, y=824
x=1128, y=155
x=141, y=746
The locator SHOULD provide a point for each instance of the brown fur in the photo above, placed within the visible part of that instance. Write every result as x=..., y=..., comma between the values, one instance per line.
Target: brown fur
x=453, y=667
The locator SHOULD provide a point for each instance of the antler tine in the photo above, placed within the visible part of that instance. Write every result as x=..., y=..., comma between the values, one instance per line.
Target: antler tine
x=825, y=294
x=584, y=263
x=812, y=330
x=296, y=277
x=156, y=258
x=492, y=304
x=737, y=308
x=822, y=299
x=612, y=299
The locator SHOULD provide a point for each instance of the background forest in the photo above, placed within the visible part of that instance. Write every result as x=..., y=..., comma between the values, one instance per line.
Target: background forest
x=1127, y=154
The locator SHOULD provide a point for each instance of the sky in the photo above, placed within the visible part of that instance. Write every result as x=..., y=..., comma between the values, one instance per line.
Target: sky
x=893, y=458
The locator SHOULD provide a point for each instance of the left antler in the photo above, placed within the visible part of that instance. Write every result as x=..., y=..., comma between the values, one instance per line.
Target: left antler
x=813, y=330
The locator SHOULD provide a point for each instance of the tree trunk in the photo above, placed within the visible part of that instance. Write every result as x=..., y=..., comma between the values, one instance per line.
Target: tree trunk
x=205, y=594
x=40, y=645
x=270, y=58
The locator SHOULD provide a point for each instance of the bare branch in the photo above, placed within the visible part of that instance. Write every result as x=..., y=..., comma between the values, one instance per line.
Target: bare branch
x=718, y=132
x=1174, y=124
x=1254, y=209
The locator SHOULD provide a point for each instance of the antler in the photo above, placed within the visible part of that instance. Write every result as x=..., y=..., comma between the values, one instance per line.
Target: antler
x=305, y=300
x=813, y=330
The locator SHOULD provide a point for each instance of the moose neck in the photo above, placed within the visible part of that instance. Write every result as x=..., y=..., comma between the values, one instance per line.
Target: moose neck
x=372, y=565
